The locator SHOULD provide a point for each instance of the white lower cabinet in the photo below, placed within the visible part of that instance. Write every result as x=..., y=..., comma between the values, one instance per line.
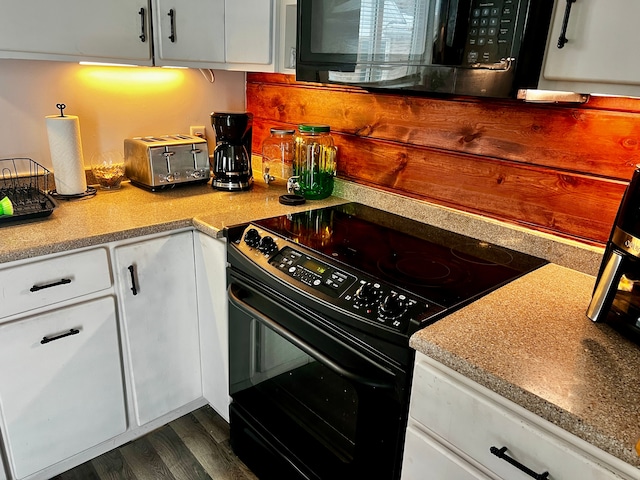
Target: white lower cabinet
x=61, y=384
x=157, y=293
x=460, y=421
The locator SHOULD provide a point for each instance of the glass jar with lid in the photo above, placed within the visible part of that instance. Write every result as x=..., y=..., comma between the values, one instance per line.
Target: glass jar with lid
x=314, y=161
x=277, y=154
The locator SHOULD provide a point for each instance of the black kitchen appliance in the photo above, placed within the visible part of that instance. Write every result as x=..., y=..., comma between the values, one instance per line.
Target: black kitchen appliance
x=231, y=162
x=487, y=48
x=321, y=307
x=616, y=295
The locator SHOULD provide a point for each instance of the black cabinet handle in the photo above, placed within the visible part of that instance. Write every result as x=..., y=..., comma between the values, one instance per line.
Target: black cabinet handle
x=143, y=25
x=133, y=279
x=37, y=288
x=500, y=453
x=172, y=15
x=73, y=331
x=562, y=39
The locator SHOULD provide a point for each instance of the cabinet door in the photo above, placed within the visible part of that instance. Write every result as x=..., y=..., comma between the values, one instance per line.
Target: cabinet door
x=65, y=395
x=76, y=30
x=249, y=33
x=287, y=24
x=211, y=264
x=602, y=40
x=157, y=291
x=189, y=32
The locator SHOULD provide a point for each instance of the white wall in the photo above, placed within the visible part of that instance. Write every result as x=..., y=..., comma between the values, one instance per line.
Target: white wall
x=112, y=103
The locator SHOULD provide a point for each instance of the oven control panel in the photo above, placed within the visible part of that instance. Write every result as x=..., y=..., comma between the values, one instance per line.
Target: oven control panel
x=313, y=272
x=354, y=292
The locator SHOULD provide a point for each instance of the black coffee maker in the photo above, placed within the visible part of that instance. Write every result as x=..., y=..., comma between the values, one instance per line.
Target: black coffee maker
x=231, y=162
x=616, y=296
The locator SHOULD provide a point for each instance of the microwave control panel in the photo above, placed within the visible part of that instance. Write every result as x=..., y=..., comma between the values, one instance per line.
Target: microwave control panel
x=492, y=26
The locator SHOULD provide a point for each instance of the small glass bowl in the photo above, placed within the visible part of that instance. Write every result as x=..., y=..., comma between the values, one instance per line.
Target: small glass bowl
x=108, y=169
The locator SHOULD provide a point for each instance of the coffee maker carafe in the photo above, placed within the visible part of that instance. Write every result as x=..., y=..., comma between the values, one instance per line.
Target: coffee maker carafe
x=616, y=296
x=231, y=161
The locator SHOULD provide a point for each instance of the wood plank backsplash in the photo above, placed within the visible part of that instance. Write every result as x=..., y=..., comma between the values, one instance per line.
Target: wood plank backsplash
x=555, y=168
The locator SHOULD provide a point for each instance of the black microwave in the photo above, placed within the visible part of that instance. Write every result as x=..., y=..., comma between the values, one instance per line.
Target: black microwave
x=460, y=47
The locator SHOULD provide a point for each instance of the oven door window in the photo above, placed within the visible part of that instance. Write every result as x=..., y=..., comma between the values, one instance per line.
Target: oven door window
x=330, y=410
x=312, y=395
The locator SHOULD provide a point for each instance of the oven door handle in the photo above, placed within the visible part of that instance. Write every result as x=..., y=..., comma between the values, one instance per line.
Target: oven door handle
x=371, y=381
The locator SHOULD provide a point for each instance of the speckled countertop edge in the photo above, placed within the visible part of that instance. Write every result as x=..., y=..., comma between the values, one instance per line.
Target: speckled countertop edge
x=518, y=342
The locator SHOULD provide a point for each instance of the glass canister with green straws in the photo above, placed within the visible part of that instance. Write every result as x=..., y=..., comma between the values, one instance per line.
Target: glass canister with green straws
x=314, y=161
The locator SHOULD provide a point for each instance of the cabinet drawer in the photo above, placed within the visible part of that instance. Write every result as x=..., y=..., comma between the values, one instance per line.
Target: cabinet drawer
x=45, y=282
x=474, y=423
x=423, y=454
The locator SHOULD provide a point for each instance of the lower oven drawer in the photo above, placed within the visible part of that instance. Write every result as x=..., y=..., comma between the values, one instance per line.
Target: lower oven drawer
x=473, y=423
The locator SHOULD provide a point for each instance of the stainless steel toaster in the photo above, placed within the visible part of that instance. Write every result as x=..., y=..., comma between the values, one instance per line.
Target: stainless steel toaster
x=160, y=162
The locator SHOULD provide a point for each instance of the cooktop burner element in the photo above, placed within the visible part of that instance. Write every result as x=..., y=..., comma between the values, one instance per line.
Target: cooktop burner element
x=420, y=269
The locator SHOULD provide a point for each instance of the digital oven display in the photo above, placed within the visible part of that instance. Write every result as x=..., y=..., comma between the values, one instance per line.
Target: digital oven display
x=314, y=266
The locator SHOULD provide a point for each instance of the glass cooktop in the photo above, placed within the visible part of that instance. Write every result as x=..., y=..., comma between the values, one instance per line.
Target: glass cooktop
x=430, y=262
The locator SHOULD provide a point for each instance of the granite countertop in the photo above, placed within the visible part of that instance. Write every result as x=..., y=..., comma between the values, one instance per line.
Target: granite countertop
x=132, y=211
x=531, y=343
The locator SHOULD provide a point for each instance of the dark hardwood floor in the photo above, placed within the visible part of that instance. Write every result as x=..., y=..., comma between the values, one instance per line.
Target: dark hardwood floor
x=195, y=446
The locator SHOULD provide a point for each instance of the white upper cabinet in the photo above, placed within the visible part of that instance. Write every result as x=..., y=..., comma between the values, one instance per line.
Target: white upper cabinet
x=220, y=34
x=249, y=34
x=189, y=33
x=74, y=30
x=225, y=34
x=601, y=49
x=287, y=24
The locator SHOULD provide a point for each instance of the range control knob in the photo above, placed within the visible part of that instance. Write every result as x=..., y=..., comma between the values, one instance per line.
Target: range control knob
x=392, y=307
x=252, y=238
x=367, y=294
x=267, y=245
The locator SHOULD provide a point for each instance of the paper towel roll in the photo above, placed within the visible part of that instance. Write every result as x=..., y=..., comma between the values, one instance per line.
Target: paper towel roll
x=65, y=146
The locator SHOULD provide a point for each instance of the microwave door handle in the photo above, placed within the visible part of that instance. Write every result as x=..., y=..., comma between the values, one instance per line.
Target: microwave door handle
x=309, y=349
x=447, y=38
x=452, y=22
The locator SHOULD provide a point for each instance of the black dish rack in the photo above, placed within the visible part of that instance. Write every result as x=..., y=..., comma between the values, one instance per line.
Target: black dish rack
x=26, y=183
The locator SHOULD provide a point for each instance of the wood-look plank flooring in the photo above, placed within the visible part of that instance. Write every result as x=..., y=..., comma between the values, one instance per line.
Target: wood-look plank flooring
x=193, y=447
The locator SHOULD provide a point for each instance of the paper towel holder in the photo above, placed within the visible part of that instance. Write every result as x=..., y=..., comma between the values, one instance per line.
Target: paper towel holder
x=89, y=192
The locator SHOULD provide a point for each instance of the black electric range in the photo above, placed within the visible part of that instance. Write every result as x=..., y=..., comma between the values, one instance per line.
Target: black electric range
x=322, y=304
